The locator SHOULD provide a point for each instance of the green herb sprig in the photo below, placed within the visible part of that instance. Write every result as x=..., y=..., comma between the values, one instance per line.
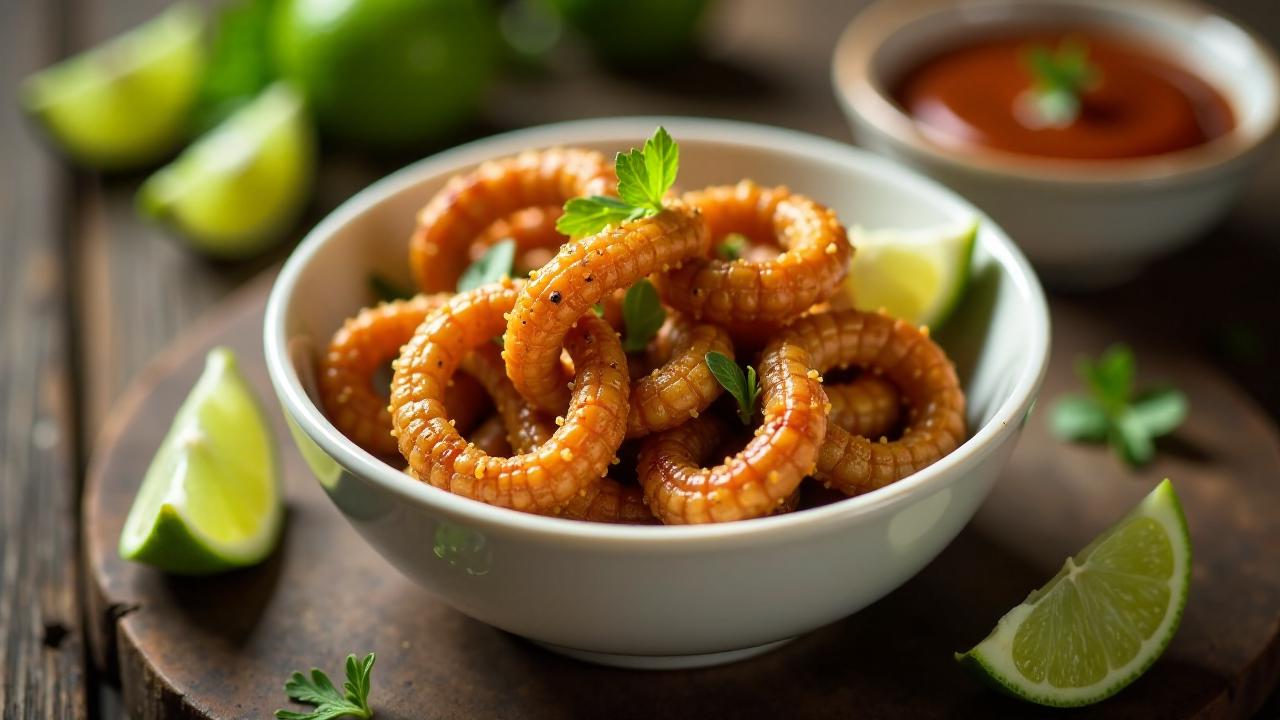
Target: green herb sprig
x=644, y=177
x=498, y=262
x=732, y=247
x=642, y=315
x=743, y=386
x=1059, y=77
x=318, y=690
x=1112, y=412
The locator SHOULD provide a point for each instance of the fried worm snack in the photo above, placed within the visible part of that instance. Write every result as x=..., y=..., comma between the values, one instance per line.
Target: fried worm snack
x=869, y=406
x=534, y=232
x=358, y=350
x=753, y=298
x=579, y=276
x=756, y=481
x=471, y=203
x=911, y=361
x=544, y=480
x=682, y=386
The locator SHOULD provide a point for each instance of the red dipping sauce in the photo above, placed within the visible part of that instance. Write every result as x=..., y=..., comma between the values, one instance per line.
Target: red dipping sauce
x=1141, y=105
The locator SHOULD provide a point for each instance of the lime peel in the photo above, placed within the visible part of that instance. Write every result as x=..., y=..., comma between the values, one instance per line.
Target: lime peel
x=211, y=499
x=1149, y=550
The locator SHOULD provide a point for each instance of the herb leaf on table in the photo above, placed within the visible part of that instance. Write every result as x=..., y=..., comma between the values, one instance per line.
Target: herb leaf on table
x=1112, y=412
x=331, y=703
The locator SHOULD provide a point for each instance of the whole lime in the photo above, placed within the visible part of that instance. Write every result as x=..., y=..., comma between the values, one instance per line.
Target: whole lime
x=388, y=74
x=636, y=35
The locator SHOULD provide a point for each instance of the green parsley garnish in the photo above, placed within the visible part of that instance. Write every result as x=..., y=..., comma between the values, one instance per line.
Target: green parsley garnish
x=1060, y=77
x=496, y=263
x=732, y=247
x=386, y=289
x=318, y=690
x=1111, y=412
x=644, y=177
x=744, y=387
x=642, y=314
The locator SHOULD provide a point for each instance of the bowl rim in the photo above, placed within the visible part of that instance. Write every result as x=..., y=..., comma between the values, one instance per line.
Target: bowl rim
x=308, y=417
x=860, y=96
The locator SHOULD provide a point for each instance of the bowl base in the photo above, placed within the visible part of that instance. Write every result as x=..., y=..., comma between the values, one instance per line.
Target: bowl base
x=664, y=662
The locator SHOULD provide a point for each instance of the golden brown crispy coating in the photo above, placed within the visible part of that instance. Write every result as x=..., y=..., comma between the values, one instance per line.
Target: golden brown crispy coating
x=358, y=351
x=756, y=481
x=753, y=298
x=544, y=480
x=915, y=365
x=471, y=203
x=682, y=386
x=534, y=232
x=579, y=276
x=869, y=406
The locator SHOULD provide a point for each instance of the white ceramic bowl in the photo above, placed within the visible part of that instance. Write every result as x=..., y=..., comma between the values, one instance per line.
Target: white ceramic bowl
x=664, y=596
x=1082, y=223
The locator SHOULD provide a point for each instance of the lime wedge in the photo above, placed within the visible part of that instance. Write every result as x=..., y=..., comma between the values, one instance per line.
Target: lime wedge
x=239, y=187
x=1103, y=619
x=211, y=499
x=128, y=102
x=917, y=275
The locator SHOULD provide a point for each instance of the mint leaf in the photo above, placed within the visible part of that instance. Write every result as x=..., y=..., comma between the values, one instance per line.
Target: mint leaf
x=642, y=315
x=645, y=175
x=1059, y=78
x=318, y=690
x=590, y=215
x=239, y=62
x=1159, y=412
x=493, y=266
x=1079, y=418
x=1110, y=379
x=1131, y=439
x=744, y=387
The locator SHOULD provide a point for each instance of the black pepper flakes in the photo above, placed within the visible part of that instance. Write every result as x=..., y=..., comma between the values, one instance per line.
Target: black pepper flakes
x=555, y=297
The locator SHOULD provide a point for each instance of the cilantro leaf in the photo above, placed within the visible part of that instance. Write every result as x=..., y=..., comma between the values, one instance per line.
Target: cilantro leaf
x=1112, y=413
x=590, y=215
x=494, y=265
x=744, y=387
x=642, y=314
x=644, y=177
x=318, y=690
x=1059, y=77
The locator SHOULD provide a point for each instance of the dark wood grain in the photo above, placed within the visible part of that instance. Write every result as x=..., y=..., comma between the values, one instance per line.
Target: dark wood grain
x=219, y=647
x=41, y=644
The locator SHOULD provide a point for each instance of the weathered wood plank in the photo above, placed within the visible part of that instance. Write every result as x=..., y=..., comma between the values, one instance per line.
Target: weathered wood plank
x=41, y=643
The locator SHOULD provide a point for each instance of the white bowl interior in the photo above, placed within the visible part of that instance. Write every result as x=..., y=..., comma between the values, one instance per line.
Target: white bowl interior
x=1209, y=45
x=997, y=338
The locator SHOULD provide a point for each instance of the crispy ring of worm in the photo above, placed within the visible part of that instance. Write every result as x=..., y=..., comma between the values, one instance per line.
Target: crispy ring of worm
x=579, y=276
x=470, y=203
x=761, y=477
x=869, y=406
x=752, y=298
x=915, y=365
x=683, y=386
x=544, y=480
x=357, y=351
x=526, y=429
x=534, y=232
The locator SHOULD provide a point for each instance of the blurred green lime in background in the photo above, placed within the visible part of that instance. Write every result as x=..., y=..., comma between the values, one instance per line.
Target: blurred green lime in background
x=636, y=35
x=126, y=103
x=388, y=74
x=236, y=189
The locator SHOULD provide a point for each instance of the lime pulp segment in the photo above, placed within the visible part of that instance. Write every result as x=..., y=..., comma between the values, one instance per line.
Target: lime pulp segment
x=1103, y=619
x=211, y=498
x=918, y=275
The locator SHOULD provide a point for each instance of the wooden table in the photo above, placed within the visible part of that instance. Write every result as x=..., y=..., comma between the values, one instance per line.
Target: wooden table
x=88, y=293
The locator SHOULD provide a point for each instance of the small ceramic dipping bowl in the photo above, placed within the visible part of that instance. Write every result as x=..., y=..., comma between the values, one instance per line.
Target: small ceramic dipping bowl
x=1082, y=223
x=655, y=596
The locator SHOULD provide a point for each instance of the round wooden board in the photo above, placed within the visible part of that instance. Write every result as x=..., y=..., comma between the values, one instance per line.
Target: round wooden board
x=222, y=647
